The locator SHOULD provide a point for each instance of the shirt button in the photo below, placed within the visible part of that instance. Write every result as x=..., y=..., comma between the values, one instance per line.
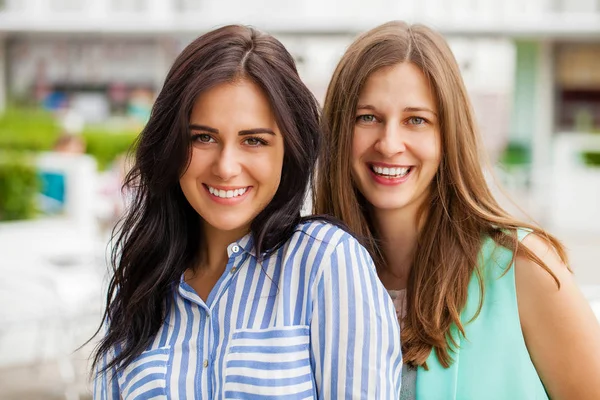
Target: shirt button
x=235, y=248
x=233, y=270
x=205, y=363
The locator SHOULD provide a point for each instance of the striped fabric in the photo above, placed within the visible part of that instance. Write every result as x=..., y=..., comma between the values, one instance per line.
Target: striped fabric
x=313, y=321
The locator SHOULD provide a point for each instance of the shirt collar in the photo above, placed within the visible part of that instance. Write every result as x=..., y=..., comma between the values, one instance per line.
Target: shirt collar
x=246, y=243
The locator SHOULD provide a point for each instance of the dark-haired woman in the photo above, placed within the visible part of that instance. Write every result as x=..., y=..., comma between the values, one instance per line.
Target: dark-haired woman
x=220, y=288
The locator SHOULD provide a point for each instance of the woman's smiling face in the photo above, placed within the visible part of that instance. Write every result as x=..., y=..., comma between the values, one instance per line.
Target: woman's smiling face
x=396, y=145
x=237, y=155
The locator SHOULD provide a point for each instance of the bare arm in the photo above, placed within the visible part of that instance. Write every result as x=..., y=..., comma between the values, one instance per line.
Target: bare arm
x=561, y=331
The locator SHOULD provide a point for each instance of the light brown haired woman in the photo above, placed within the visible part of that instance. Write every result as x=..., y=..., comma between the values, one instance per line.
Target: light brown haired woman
x=489, y=308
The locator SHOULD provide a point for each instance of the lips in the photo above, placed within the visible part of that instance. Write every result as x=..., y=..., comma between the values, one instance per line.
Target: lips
x=390, y=172
x=227, y=193
x=390, y=175
x=228, y=196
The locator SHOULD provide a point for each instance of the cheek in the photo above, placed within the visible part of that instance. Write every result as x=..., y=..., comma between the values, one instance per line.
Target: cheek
x=437, y=152
x=430, y=150
x=267, y=168
x=271, y=178
x=360, y=145
x=197, y=166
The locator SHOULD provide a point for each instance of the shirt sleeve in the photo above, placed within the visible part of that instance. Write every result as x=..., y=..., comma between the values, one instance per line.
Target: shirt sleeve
x=106, y=386
x=355, y=335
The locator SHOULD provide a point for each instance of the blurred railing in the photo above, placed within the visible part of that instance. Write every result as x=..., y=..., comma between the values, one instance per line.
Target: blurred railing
x=508, y=17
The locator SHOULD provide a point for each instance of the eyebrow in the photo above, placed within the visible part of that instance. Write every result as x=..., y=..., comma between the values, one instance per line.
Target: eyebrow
x=240, y=133
x=417, y=109
x=197, y=127
x=406, y=109
x=365, y=107
x=256, y=131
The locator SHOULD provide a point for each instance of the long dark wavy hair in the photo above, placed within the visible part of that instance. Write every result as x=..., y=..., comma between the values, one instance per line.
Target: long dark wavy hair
x=160, y=235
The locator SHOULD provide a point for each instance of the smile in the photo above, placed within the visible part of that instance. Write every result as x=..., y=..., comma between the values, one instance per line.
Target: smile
x=394, y=172
x=227, y=194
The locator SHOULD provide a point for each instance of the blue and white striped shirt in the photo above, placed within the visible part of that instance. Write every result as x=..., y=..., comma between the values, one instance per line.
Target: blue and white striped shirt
x=313, y=321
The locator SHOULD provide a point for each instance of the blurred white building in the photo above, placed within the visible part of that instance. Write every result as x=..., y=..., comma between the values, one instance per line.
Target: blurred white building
x=531, y=66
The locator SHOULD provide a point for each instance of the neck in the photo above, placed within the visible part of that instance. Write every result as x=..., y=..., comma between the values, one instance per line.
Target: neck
x=214, y=255
x=398, y=231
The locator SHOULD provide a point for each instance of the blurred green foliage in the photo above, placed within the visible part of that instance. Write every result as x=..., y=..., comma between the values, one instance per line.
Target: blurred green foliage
x=516, y=154
x=106, y=145
x=19, y=185
x=23, y=131
x=591, y=158
x=28, y=129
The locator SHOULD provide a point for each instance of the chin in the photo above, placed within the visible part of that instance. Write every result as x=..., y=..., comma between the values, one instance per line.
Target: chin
x=228, y=225
x=387, y=205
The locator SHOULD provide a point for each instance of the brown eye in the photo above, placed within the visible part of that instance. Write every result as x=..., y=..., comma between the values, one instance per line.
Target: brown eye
x=203, y=138
x=255, y=142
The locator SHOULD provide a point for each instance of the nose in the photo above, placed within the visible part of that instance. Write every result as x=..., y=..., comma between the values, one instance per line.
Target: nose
x=228, y=164
x=391, y=141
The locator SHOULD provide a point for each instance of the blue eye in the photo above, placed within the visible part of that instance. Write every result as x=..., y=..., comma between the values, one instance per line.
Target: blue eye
x=416, y=121
x=366, y=118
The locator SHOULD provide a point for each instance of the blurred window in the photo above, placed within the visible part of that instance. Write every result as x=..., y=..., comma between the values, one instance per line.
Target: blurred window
x=578, y=110
x=188, y=5
x=129, y=5
x=11, y=5
x=578, y=86
x=575, y=6
x=68, y=5
x=577, y=65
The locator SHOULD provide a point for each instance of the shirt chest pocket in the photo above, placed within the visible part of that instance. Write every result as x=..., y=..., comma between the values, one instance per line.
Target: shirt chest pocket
x=273, y=362
x=146, y=376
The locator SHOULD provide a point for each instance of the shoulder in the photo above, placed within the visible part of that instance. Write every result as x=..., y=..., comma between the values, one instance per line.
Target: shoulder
x=530, y=275
x=500, y=252
x=542, y=289
x=500, y=257
x=324, y=245
x=333, y=259
x=322, y=233
x=557, y=322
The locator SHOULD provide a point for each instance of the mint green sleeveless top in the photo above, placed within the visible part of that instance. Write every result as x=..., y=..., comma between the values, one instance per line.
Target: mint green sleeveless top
x=492, y=361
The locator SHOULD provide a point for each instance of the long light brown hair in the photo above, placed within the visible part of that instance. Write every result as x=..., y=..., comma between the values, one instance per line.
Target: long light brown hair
x=461, y=211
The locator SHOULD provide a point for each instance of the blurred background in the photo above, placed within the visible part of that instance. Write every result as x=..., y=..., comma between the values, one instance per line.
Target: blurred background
x=78, y=79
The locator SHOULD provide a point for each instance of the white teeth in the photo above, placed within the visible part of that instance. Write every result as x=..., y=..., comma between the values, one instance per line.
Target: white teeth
x=391, y=172
x=226, y=194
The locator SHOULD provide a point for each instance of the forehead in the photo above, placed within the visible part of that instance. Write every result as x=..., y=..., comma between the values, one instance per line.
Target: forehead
x=239, y=104
x=401, y=85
